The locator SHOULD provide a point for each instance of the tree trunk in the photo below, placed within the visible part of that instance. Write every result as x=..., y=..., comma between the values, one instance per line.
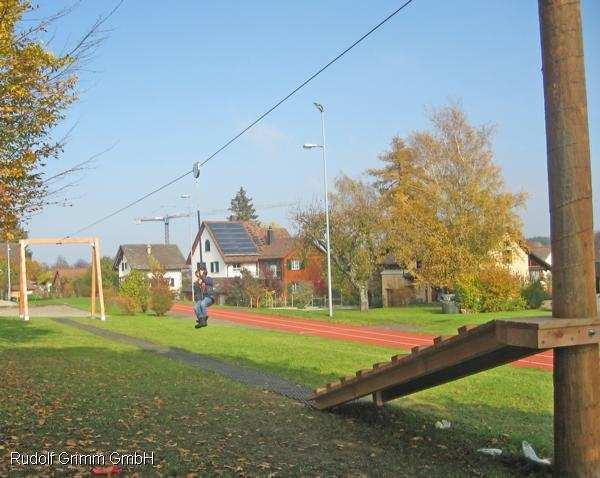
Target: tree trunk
x=364, y=298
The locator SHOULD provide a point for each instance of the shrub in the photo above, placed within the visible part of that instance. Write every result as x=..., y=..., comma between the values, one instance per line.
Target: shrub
x=136, y=286
x=125, y=304
x=161, y=299
x=534, y=294
x=494, y=289
x=302, y=293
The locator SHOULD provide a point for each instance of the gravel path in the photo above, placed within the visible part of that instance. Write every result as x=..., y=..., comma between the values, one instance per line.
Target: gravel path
x=45, y=311
x=247, y=376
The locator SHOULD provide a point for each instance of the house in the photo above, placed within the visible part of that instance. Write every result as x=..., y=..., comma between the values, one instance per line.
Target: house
x=540, y=260
x=398, y=286
x=529, y=261
x=229, y=247
x=137, y=256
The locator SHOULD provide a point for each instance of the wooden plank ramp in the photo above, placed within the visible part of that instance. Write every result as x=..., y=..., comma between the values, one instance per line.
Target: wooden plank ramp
x=473, y=350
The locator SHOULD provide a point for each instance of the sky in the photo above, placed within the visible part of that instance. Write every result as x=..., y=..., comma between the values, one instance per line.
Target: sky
x=175, y=80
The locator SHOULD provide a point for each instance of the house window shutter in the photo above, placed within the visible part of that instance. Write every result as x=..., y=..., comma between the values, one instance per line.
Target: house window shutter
x=289, y=264
x=217, y=267
x=302, y=264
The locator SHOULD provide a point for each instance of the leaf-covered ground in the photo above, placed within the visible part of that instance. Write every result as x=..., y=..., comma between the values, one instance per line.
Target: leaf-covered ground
x=63, y=389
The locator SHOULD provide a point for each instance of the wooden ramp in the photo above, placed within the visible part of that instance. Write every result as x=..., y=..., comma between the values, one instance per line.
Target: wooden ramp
x=473, y=350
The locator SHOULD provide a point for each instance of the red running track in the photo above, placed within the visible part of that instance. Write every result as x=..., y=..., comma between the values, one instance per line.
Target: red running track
x=352, y=333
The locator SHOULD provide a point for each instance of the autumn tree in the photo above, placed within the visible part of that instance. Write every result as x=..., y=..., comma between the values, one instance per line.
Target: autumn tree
x=356, y=229
x=37, y=86
x=241, y=207
x=447, y=204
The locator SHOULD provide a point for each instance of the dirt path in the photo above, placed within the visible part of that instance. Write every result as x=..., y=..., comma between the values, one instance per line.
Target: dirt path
x=45, y=311
x=352, y=333
x=247, y=376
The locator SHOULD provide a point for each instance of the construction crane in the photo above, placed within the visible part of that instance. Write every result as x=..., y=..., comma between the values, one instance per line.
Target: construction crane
x=166, y=219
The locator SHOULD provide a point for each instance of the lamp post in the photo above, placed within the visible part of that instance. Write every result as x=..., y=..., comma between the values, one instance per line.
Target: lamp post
x=321, y=110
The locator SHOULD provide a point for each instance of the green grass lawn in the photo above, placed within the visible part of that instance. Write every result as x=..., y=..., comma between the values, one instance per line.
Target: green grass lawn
x=64, y=389
x=420, y=319
x=426, y=319
x=506, y=405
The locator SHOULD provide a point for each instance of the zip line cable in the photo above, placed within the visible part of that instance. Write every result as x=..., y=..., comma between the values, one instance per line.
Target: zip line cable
x=254, y=123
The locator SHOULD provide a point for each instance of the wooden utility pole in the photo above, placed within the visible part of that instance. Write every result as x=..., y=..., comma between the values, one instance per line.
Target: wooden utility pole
x=576, y=369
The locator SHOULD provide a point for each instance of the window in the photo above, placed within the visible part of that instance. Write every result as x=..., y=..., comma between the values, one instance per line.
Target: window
x=274, y=270
x=237, y=266
x=122, y=267
x=171, y=282
x=295, y=265
x=207, y=246
x=214, y=267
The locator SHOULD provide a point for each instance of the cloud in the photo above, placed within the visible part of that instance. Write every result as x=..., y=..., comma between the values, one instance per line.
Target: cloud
x=267, y=137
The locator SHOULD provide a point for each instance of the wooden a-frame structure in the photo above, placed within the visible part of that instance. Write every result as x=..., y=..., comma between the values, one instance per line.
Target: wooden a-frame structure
x=94, y=242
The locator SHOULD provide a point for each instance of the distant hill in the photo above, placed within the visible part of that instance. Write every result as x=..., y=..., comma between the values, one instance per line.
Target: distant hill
x=545, y=241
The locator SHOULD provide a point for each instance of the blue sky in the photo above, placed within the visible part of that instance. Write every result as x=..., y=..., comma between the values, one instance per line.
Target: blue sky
x=175, y=80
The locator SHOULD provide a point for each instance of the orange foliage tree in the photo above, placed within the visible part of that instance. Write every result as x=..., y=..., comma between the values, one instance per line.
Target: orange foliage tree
x=447, y=206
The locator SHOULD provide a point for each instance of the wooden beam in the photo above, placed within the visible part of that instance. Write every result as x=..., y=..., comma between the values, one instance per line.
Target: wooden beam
x=23, y=282
x=96, y=249
x=377, y=400
x=486, y=346
x=59, y=240
x=93, y=292
x=465, y=328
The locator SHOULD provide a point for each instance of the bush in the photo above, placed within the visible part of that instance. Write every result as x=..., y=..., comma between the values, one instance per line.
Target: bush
x=302, y=293
x=136, y=286
x=126, y=305
x=161, y=299
x=534, y=294
x=494, y=289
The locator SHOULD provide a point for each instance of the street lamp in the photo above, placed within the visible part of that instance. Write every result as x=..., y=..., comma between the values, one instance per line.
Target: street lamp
x=321, y=110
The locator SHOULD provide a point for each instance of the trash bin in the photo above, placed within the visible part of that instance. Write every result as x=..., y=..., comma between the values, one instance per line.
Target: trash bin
x=449, y=307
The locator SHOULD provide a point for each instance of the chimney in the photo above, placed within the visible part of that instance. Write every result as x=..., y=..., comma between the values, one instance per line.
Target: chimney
x=149, y=249
x=270, y=236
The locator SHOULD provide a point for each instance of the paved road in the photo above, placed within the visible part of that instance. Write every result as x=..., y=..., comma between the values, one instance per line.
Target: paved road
x=352, y=333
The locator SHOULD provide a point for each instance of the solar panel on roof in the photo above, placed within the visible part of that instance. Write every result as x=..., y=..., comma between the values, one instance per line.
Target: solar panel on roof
x=233, y=238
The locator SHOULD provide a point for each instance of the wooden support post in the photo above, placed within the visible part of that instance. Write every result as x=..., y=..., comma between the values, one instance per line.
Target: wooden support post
x=378, y=399
x=96, y=249
x=576, y=369
x=93, y=295
x=23, y=299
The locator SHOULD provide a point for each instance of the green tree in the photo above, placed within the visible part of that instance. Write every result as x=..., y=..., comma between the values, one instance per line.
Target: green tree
x=110, y=277
x=357, y=235
x=136, y=286
x=241, y=207
x=445, y=204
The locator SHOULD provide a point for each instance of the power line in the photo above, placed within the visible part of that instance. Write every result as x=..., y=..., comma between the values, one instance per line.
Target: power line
x=256, y=121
